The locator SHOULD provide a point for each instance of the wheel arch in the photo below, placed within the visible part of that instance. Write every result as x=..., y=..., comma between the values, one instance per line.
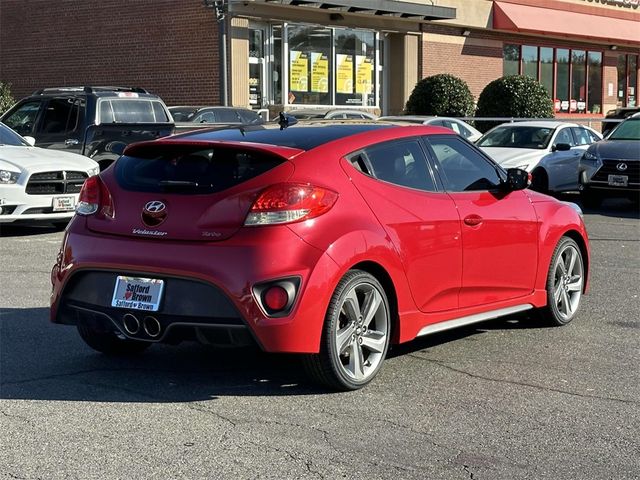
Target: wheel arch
x=576, y=237
x=381, y=274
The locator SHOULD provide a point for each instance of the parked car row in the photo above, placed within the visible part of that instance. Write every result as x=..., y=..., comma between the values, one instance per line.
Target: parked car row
x=99, y=122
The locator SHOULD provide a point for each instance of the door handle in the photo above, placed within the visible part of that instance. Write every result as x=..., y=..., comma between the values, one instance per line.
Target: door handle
x=71, y=141
x=473, y=220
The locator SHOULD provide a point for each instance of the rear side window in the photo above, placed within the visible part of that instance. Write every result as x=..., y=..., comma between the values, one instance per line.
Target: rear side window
x=401, y=163
x=61, y=115
x=192, y=171
x=129, y=110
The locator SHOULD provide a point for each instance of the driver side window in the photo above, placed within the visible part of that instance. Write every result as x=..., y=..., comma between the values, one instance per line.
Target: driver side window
x=23, y=120
x=462, y=167
x=564, y=136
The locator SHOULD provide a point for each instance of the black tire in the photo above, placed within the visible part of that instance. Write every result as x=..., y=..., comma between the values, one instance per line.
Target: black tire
x=564, y=285
x=540, y=181
x=110, y=343
x=328, y=367
x=590, y=199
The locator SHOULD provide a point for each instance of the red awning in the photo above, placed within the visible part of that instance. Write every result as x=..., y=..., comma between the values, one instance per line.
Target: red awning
x=526, y=19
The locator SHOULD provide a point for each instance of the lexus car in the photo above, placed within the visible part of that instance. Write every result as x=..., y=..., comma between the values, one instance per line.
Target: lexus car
x=38, y=184
x=327, y=240
x=611, y=168
x=549, y=150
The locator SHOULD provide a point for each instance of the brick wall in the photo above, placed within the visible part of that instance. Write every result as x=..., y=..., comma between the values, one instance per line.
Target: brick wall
x=477, y=65
x=165, y=46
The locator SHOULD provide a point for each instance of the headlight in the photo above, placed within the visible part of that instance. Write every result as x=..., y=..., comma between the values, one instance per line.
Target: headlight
x=590, y=158
x=93, y=171
x=7, y=176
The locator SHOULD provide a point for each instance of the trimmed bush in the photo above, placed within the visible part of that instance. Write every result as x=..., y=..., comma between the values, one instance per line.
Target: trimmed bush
x=515, y=96
x=6, y=99
x=443, y=95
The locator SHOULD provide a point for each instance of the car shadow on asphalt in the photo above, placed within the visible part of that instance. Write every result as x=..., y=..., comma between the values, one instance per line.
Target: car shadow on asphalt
x=26, y=230
x=42, y=361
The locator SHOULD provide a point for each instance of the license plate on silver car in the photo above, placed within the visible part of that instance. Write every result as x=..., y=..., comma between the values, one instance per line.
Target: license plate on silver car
x=137, y=293
x=63, y=204
x=618, y=180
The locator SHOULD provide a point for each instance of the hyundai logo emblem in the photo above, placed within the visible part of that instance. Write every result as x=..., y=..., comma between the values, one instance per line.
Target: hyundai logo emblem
x=622, y=166
x=156, y=206
x=154, y=213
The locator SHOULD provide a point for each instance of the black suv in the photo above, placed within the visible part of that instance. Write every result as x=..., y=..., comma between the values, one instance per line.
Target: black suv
x=93, y=121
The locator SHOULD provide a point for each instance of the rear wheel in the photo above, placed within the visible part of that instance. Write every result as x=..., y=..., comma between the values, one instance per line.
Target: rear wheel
x=565, y=282
x=355, y=336
x=110, y=343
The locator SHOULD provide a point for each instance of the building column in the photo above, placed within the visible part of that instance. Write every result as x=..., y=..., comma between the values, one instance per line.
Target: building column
x=239, y=59
x=403, y=62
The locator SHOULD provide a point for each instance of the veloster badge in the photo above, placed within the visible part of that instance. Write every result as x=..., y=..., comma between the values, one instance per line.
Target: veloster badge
x=154, y=213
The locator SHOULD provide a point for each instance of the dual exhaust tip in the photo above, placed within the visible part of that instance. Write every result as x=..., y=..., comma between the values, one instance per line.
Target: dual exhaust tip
x=149, y=324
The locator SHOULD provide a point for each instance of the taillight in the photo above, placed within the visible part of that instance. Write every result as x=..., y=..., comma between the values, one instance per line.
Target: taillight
x=94, y=198
x=289, y=202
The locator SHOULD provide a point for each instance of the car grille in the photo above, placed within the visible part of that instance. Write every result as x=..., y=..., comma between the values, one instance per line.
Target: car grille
x=609, y=168
x=53, y=183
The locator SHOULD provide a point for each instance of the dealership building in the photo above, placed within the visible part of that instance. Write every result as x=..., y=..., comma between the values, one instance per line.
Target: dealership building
x=356, y=54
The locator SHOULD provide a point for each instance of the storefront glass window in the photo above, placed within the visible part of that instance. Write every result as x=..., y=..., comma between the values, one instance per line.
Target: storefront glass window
x=511, y=64
x=276, y=74
x=354, y=67
x=309, y=72
x=530, y=61
x=622, y=79
x=632, y=89
x=595, y=82
x=578, y=102
x=562, y=79
x=546, y=69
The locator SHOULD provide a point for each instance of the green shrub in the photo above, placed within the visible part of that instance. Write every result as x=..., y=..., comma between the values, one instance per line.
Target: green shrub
x=515, y=96
x=6, y=99
x=443, y=95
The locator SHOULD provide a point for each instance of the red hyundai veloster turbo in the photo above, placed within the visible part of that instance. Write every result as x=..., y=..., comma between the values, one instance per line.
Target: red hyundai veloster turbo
x=327, y=240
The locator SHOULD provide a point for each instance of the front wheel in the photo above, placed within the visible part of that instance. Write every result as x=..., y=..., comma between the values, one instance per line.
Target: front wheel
x=565, y=283
x=355, y=336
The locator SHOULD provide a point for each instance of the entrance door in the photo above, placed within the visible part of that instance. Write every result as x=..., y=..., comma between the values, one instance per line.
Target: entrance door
x=257, y=59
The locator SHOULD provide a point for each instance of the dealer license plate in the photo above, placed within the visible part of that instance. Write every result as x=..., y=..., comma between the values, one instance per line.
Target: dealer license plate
x=618, y=180
x=137, y=293
x=63, y=204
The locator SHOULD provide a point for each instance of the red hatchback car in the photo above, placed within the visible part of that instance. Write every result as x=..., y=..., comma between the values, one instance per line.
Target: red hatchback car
x=327, y=240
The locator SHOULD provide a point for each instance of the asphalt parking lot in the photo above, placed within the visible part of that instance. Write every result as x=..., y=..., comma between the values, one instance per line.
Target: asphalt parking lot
x=506, y=399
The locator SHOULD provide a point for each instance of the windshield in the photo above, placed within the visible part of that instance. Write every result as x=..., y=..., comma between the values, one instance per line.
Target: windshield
x=9, y=137
x=627, y=130
x=517, y=137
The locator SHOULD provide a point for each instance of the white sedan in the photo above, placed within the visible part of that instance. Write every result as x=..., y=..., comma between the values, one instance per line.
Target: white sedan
x=549, y=150
x=37, y=183
x=461, y=128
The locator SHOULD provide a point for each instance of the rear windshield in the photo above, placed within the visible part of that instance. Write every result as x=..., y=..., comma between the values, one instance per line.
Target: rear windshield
x=131, y=110
x=195, y=171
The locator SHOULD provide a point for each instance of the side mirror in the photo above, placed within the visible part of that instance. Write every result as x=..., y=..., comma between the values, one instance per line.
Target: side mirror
x=517, y=179
x=561, y=147
x=30, y=140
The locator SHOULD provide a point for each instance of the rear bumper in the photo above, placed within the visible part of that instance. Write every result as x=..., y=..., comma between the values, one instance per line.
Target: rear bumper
x=208, y=285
